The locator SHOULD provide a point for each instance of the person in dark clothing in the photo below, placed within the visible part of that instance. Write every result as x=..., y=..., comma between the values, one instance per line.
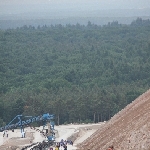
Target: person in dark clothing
x=65, y=147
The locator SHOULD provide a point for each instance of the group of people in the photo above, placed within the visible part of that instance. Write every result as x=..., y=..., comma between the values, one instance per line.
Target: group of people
x=62, y=145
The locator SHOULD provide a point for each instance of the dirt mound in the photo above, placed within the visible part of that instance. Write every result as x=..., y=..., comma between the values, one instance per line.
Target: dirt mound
x=128, y=129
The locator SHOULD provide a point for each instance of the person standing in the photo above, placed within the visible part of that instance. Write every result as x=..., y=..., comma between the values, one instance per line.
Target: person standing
x=56, y=148
x=4, y=133
x=65, y=147
x=61, y=147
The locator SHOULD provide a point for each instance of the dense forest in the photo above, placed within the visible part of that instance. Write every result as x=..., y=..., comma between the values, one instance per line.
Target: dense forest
x=79, y=73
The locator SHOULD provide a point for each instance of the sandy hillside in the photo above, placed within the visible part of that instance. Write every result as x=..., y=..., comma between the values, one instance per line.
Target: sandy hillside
x=127, y=130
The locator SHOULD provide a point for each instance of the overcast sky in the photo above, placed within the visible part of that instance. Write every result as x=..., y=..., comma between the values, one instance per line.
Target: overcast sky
x=22, y=6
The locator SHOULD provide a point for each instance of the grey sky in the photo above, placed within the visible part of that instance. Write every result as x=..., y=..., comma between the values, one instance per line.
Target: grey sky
x=29, y=6
x=101, y=4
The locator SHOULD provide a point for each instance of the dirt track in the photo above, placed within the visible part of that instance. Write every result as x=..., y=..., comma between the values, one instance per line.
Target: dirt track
x=76, y=133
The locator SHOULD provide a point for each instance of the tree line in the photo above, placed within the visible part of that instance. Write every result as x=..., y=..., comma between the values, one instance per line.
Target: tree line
x=80, y=73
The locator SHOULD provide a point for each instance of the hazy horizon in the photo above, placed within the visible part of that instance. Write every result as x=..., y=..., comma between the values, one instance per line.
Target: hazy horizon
x=71, y=11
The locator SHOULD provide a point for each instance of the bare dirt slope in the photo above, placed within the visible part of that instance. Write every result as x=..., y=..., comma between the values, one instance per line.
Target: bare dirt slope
x=127, y=130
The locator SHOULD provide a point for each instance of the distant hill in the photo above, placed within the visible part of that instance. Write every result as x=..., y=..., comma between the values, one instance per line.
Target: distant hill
x=68, y=15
